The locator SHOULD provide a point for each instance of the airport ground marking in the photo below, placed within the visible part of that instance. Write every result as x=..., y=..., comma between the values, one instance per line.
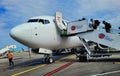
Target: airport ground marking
x=43, y=65
x=116, y=62
x=58, y=69
x=106, y=73
x=29, y=70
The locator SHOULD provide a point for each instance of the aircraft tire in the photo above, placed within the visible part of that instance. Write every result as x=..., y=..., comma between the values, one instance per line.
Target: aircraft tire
x=83, y=58
x=46, y=60
x=50, y=60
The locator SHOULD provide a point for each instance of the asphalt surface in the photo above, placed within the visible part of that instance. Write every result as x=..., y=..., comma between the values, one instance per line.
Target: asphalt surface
x=65, y=65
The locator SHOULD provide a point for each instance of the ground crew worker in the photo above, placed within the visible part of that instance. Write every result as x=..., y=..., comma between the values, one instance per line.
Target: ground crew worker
x=107, y=26
x=95, y=23
x=10, y=57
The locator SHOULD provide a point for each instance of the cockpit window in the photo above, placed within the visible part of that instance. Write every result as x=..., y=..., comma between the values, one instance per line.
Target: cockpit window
x=33, y=20
x=46, y=21
x=40, y=21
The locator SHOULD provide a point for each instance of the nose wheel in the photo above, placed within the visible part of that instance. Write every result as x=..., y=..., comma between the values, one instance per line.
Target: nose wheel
x=48, y=58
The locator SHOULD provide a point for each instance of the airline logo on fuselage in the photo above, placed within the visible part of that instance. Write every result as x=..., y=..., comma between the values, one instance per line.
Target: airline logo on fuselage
x=74, y=27
x=103, y=36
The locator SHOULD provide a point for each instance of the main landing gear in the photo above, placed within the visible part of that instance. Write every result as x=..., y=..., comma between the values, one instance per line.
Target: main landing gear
x=83, y=57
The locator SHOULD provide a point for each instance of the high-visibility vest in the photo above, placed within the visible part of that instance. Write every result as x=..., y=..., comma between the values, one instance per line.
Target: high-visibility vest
x=10, y=55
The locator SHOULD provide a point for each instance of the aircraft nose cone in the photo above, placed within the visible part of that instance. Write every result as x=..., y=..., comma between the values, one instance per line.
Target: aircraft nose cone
x=21, y=33
x=15, y=33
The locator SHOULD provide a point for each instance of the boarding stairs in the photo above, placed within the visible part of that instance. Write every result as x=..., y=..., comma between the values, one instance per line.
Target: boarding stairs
x=85, y=32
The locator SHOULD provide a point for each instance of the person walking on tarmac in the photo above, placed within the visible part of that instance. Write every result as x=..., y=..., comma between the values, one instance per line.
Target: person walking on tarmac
x=10, y=57
x=107, y=26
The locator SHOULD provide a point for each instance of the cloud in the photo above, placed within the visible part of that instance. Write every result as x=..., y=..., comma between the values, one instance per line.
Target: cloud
x=107, y=10
x=28, y=7
x=4, y=35
x=18, y=11
x=115, y=21
x=14, y=12
x=91, y=7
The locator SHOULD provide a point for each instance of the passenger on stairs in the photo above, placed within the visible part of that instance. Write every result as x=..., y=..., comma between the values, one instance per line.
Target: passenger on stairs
x=107, y=26
x=95, y=23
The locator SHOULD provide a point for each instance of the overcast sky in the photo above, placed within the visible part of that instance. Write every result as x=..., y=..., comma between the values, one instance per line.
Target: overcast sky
x=14, y=12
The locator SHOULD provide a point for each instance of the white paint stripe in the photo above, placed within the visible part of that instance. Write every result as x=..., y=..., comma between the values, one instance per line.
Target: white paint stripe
x=106, y=73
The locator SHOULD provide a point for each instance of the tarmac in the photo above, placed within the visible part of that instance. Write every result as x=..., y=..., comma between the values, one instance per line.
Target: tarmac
x=65, y=65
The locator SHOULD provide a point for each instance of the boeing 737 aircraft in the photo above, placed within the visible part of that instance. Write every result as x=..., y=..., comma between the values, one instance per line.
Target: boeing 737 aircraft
x=46, y=33
x=42, y=35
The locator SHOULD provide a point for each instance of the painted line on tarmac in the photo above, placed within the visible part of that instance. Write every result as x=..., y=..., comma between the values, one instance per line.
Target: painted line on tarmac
x=107, y=73
x=58, y=69
x=29, y=70
x=116, y=62
x=38, y=67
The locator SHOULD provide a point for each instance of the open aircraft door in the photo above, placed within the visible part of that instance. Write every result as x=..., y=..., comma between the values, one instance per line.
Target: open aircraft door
x=60, y=23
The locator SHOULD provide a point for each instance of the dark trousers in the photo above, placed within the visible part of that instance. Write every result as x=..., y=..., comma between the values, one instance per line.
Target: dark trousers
x=11, y=61
x=107, y=30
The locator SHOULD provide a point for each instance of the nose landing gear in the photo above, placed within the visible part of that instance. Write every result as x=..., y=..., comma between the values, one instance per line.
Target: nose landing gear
x=48, y=58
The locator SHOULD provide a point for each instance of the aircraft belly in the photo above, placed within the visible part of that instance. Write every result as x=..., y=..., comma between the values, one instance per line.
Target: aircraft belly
x=68, y=42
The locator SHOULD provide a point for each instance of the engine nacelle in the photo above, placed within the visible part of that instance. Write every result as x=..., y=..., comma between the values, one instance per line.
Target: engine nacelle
x=41, y=51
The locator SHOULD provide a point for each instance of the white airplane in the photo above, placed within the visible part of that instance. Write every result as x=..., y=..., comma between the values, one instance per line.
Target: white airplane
x=42, y=35
x=46, y=33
